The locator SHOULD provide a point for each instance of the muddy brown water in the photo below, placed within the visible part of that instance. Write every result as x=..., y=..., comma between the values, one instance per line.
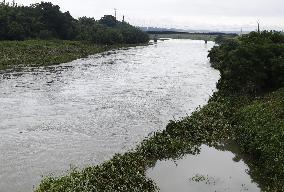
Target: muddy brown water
x=212, y=170
x=83, y=112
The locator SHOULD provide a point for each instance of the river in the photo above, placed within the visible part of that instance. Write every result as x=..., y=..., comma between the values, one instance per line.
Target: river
x=83, y=112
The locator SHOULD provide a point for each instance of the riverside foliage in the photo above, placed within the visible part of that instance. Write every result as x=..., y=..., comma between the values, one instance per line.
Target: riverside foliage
x=46, y=21
x=252, y=80
x=43, y=52
x=250, y=64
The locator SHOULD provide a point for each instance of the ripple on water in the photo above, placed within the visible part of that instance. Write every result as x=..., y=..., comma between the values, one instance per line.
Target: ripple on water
x=85, y=111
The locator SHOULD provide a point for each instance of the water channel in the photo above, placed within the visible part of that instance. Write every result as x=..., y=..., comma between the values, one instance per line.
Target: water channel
x=83, y=112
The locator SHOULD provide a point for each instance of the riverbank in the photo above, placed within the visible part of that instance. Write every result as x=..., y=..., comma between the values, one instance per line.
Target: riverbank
x=259, y=130
x=49, y=52
x=42, y=52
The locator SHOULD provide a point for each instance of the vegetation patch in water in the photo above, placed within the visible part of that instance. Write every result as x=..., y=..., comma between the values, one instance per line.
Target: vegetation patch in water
x=203, y=178
x=41, y=52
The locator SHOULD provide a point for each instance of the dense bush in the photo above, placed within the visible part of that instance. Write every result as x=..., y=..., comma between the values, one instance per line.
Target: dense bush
x=26, y=22
x=109, y=31
x=45, y=21
x=251, y=64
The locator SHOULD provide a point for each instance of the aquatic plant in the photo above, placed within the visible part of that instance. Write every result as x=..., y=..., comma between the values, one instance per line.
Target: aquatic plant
x=259, y=129
x=39, y=52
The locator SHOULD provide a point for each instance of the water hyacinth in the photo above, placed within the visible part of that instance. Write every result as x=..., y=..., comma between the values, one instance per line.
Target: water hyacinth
x=40, y=52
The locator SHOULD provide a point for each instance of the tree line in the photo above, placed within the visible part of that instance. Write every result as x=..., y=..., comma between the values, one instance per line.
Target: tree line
x=250, y=64
x=46, y=21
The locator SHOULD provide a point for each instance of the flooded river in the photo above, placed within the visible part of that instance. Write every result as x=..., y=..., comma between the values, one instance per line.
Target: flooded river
x=83, y=112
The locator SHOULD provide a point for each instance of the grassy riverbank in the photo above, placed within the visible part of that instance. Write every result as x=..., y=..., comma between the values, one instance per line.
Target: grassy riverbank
x=248, y=108
x=252, y=73
x=259, y=130
x=41, y=52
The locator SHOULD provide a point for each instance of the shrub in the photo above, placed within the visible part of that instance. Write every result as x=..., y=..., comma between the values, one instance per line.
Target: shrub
x=251, y=64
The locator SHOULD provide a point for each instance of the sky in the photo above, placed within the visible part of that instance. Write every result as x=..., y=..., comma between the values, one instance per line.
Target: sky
x=220, y=15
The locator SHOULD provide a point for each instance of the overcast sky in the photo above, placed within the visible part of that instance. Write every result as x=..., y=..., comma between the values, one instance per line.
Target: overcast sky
x=189, y=14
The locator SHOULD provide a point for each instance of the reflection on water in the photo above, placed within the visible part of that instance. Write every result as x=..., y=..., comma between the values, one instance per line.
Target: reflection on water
x=83, y=112
x=211, y=170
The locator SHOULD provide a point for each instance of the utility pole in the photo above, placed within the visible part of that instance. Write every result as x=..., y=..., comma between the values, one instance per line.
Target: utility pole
x=258, y=27
x=115, y=10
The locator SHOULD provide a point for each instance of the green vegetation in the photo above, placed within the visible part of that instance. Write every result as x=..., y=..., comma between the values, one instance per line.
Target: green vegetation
x=40, y=34
x=251, y=114
x=252, y=72
x=40, y=52
x=252, y=64
x=259, y=130
x=45, y=21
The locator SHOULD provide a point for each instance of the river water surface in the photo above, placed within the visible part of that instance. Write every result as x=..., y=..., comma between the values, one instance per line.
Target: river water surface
x=83, y=112
x=213, y=170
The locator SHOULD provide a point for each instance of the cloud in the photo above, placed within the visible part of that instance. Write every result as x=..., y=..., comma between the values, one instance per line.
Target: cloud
x=205, y=14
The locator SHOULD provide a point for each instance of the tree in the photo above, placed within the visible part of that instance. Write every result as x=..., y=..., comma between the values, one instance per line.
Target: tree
x=108, y=20
x=15, y=31
x=251, y=64
x=46, y=21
